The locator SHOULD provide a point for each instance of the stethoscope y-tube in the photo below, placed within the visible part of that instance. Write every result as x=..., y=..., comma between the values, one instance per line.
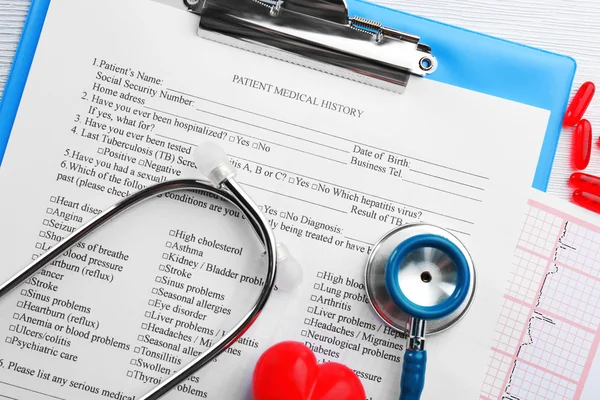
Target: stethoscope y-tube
x=213, y=162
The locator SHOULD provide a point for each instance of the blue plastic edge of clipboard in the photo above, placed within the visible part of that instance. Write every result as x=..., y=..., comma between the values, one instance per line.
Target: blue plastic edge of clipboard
x=466, y=59
x=17, y=79
x=492, y=66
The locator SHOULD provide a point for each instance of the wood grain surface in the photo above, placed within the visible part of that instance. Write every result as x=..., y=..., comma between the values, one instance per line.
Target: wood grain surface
x=570, y=27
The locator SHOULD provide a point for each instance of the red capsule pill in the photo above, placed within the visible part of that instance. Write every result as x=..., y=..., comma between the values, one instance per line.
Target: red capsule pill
x=587, y=200
x=579, y=104
x=586, y=182
x=582, y=144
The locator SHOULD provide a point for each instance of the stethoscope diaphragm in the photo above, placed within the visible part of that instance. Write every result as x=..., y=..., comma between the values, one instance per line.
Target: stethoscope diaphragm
x=420, y=271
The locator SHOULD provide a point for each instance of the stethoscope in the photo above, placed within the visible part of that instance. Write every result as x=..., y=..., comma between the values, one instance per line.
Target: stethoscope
x=420, y=279
x=416, y=273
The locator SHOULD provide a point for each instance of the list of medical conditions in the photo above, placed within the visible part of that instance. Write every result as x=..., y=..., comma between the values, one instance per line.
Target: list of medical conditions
x=333, y=165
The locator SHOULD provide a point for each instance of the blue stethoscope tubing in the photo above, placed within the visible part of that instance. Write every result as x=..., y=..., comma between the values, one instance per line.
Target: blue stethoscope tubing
x=387, y=277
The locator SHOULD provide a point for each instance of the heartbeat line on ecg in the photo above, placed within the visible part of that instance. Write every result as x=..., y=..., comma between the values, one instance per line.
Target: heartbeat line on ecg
x=536, y=314
x=548, y=330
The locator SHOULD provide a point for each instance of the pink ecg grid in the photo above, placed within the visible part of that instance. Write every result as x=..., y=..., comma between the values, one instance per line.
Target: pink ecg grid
x=549, y=329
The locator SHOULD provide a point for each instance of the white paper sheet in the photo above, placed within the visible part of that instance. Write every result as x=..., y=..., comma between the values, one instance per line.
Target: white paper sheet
x=116, y=99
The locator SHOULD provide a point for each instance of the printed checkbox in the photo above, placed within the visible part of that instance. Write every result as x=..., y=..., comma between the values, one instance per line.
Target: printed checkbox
x=148, y=314
x=136, y=349
x=141, y=162
x=311, y=309
x=306, y=321
x=154, y=291
x=42, y=234
x=165, y=256
x=291, y=180
x=141, y=338
x=39, y=246
x=169, y=245
x=320, y=275
x=255, y=145
x=9, y=340
x=49, y=210
x=304, y=333
x=46, y=222
x=231, y=139
x=133, y=362
x=316, y=286
x=157, y=279
x=53, y=199
x=172, y=233
x=34, y=257
x=144, y=326
x=12, y=328
x=130, y=374
x=161, y=267
x=100, y=151
x=23, y=292
x=16, y=316
x=313, y=298
x=151, y=303
x=314, y=186
x=20, y=304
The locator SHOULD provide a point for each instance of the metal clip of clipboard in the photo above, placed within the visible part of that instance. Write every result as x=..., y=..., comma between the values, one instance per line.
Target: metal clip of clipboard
x=317, y=34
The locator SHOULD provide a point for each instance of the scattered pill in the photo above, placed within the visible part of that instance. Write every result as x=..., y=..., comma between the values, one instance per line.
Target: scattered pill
x=587, y=200
x=579, y=104
x=586, y=182
x=582, y=144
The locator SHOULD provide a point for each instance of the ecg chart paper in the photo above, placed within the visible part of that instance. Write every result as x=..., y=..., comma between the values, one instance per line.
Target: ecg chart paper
x=548, y=330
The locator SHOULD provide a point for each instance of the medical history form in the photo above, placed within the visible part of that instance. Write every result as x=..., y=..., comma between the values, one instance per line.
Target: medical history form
x=117, y=102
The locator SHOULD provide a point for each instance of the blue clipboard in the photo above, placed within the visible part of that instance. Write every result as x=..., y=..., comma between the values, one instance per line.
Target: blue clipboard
x=466, y=59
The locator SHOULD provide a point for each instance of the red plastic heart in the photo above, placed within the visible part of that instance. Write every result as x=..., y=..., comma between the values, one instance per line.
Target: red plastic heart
x=289, y=371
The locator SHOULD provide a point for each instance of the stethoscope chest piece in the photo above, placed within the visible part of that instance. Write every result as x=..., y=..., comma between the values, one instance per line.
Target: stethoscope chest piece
x=420, y=271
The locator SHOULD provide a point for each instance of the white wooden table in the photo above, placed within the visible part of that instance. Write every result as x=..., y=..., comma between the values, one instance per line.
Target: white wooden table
x=569, y=27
